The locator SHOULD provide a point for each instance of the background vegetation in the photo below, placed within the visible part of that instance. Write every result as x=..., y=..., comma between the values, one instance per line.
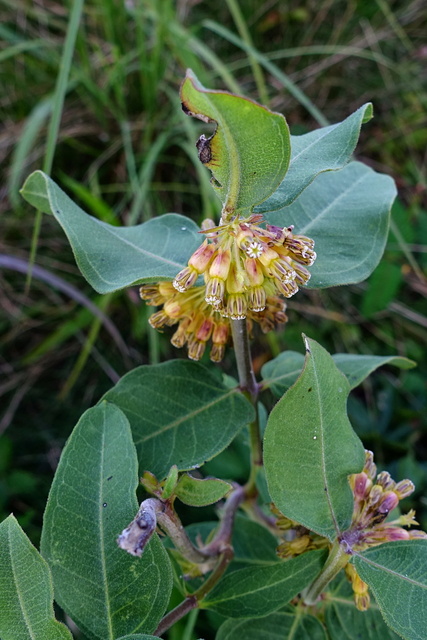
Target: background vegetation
x=126, y=152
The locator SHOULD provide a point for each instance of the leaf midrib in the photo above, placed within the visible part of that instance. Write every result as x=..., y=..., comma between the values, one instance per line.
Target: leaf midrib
x=186, y=417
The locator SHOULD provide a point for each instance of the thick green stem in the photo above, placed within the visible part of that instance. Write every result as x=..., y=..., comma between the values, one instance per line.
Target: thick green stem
x=337, y=560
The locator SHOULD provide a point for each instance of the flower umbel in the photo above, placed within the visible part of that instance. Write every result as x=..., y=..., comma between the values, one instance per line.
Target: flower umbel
x=375, y=496
x=198, y=321
x=244, y=264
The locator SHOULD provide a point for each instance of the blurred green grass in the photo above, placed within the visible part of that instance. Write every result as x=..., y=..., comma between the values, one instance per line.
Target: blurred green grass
x=125, y=151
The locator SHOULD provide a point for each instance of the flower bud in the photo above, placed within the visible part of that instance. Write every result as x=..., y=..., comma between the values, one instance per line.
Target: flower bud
x=202, y=256
x=158, y=320
x=185, y=279
x=362, y=484
x=215, y=289
x=388, y=502
x=385, y=480
x=254, y=272
x=370, y=467
x=404, y=488
x=256, y=299
x=220, y=266
x=237, y=306
x=196, y=349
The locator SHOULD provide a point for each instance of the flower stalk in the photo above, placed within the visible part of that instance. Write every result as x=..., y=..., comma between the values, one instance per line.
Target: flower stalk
x=338, y=558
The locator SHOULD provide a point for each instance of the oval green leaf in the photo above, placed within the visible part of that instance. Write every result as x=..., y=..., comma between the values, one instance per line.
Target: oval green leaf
x=259, y=590
x=278, y=626
x=107, y=592
x=26, y=591
x=343, y=620
x=310, y=448
x=250, y=150
x=280, y=373
x=397, y=574
x=326, y=149
x=180, y=414
x=139, y=636
x=198, y=492
x=347, y=214
x=111, y=258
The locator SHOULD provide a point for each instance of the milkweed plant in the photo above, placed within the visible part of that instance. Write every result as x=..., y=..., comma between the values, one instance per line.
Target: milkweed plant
x=312, y=545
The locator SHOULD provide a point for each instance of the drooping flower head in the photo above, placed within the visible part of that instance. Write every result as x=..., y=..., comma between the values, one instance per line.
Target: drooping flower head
x=375, y=496
x=198, y=321
x=244, y=264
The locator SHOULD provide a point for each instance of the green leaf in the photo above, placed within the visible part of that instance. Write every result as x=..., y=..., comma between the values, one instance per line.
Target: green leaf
x=259, y=590
x=139, y=636
x=326, y=149
x=253, y=543
x=199, y=493
x=26, y=592
x=310, y=448
x=347, y=214
x=250, y=150
x=179, y=414
x=278, y=626
x=280, y=373
x=109, y=257
x=397, y=574
x=358, y=367
x=106, y=591
x=343, y=620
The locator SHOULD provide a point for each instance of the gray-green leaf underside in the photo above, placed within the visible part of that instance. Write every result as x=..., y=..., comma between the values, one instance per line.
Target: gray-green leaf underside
x=343, y=620
x=325, y=149
x=26, y=591
x=110, y=257
x=309, y=454
x=397, y=574
x=107, y=592
x=260, y=590
x=284, y=625
x=347, y=214
x=280, y=373
x=180, y=414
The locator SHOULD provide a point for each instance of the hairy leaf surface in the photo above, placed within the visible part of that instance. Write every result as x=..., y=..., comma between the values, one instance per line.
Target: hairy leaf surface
x=343, y=620
x=397, y=574
x=107, y=592
x=259, y=590
x=277, y=626
x=347, y=214
x=110, y=257
x=325, y=149
x=26, y=591
x=280, y=373
x=180, y=414
x=250, y=150
x=309, y=453
x=198, y=492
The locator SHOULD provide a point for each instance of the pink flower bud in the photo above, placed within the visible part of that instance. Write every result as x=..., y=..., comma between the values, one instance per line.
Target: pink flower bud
x=388, y=502
x=202, y=256
x=220, y=266
x=362, y=484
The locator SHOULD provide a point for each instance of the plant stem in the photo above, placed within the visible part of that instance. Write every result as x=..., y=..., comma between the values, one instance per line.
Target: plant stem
x=250, y=387
x=192, y=601
x=242, y=351
x=176, y=614
x=337, y=560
